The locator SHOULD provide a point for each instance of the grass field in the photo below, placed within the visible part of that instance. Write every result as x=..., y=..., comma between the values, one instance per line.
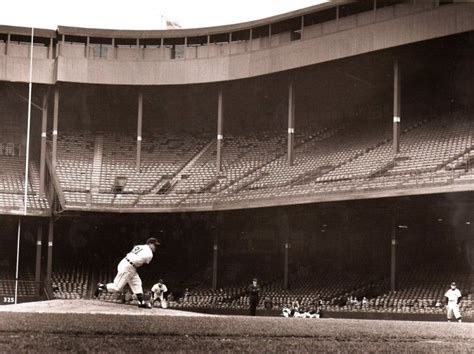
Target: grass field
x=163, y=330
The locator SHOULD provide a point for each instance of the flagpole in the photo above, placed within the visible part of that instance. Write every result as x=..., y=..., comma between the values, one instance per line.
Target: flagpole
x=17, y=259
x=29, y=123
x=27, y=160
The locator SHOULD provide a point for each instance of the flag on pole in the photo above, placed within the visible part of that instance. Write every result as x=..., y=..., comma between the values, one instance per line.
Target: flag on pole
x=172, y=24
x=166, y=23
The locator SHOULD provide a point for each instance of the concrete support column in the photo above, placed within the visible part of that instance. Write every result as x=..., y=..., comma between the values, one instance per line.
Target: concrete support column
x=396, y=108
x=61, y=48
x=55, y=125
x=8, y=43
x=49, y=265
x=393, y=258
x=86, y=52
x=286, y=262
x=139, y=130
x=56, y=54
x=39, y=242
x=215, y=253
x=284, y=228
x=138, y=49
x=249, y=42
x=302, y=27
x=220, y=136
x=114, y=49
x=375, y=10
x=44, y=121
x=50, y=48
x=291, y=123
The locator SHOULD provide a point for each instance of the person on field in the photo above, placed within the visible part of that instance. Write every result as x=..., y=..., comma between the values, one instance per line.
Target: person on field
x=453, y=298
x=158, y=293
x=127, y=271
x=253, y=291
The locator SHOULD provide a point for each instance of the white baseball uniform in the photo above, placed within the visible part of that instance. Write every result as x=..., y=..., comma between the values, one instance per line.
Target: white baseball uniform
x=453, y=308
x=158, y=290
x=127, y=269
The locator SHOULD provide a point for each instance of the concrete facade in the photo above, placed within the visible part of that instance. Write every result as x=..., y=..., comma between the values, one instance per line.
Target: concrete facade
x=362, y=33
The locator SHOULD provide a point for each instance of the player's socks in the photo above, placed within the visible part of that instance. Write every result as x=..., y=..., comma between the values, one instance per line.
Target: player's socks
x=140, y=300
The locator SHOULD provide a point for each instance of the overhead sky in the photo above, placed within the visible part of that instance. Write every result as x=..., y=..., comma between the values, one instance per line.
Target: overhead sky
x=141, y=14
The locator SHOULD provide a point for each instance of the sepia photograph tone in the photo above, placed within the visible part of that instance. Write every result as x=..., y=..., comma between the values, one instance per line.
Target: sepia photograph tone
x=266, y=176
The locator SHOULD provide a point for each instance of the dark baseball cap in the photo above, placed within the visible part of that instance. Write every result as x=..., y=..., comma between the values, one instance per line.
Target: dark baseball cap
x=153, y=241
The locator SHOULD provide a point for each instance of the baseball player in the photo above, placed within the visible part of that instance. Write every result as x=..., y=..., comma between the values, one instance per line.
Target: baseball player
x=158, y=293
x=254, y=296
x=127, y=271
x=453, y=298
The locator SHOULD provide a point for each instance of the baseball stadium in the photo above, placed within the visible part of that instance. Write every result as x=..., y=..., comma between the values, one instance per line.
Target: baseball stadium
x=327, y=152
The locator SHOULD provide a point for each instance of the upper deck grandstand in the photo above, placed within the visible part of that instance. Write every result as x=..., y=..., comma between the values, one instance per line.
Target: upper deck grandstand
x=292, y=129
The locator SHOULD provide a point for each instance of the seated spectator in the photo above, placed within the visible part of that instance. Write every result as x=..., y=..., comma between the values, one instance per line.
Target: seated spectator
x=287, y=311
x=267, y=303
x=291, y=310
x=300, y=313
x=314, y=312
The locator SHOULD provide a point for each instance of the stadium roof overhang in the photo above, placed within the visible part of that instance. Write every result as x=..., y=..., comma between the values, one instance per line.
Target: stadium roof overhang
x=282, y=201
x=195, y=32
x=26, y=31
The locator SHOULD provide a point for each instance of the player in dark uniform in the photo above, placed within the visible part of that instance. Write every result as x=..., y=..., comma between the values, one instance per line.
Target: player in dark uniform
x=254, y=294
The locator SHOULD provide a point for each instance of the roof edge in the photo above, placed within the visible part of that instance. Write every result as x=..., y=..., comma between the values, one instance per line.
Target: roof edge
x=26, y=31
x=193, y=32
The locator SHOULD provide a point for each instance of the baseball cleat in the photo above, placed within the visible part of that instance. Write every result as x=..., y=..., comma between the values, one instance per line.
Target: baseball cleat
x=145, y=305
x=99, y=289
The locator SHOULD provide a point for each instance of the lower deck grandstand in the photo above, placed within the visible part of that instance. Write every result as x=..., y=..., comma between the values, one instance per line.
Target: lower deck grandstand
x=338, y=256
